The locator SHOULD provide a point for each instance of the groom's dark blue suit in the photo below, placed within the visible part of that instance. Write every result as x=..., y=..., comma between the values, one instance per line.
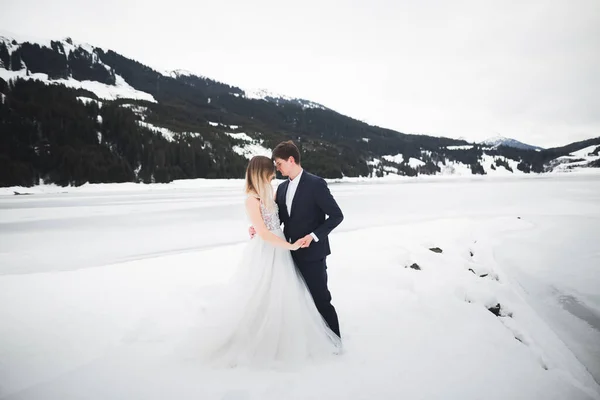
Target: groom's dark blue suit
x=311, y=202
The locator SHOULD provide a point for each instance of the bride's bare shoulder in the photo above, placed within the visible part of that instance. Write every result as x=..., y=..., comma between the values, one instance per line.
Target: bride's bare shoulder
x=252, y=198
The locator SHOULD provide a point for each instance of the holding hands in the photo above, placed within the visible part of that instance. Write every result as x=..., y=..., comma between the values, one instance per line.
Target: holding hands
x=306, y=241
x=298, y=244
x=301, y=243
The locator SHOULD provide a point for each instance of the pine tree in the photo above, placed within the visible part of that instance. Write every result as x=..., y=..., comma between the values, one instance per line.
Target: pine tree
x=4, y=56
x=15, y=60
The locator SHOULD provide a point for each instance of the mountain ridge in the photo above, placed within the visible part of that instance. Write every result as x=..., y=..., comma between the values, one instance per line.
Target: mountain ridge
x=141, y=124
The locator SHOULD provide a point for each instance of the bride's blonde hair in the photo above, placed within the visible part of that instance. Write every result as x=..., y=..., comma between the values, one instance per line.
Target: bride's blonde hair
x=259, y=172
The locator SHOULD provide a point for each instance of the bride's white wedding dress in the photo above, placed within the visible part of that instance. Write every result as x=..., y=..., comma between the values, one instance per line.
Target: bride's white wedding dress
x=266, y=315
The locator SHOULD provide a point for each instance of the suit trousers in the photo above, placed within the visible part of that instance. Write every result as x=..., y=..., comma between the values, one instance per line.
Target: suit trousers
x=315, y=276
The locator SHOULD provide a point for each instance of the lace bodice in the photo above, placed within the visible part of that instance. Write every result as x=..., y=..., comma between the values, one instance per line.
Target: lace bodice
x=271, y=218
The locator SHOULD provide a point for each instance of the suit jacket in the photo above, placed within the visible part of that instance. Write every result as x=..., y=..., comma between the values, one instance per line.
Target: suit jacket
x=311, y=202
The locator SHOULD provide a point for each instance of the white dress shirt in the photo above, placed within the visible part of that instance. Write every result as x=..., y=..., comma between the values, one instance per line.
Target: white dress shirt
x=289, y=197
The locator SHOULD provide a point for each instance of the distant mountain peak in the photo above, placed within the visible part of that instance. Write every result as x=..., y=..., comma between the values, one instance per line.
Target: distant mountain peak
x=500, y=140
x=267, y=95
x=176, y=73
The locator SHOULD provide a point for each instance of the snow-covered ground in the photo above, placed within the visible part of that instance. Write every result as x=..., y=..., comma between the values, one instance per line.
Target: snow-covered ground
x=575, y=159
x=98, y=283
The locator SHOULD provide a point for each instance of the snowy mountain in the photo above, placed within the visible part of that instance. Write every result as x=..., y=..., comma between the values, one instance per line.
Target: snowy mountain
x=498, y=141
x=72, y=113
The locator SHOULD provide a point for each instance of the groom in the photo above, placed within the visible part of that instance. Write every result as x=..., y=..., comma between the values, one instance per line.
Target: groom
x=303, y=201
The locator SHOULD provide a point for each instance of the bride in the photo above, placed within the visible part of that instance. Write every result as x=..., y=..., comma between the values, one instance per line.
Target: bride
x=267, y=315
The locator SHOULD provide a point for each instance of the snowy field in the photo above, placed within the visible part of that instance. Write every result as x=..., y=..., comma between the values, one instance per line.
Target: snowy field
x=97, y=283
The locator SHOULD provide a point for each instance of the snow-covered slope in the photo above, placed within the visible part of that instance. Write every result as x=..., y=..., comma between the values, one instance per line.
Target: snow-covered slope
x=492, y=164
x=576, y=159
x=248, y=147
x=490, y=161
x=120, y=90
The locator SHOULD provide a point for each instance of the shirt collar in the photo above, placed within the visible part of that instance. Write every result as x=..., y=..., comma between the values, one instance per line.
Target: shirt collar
x=297, y=178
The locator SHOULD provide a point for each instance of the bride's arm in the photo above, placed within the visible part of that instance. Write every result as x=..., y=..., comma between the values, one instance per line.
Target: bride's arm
x=253, y=209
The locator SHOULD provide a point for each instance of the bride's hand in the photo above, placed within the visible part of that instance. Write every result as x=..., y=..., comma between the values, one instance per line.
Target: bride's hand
x=299, y=243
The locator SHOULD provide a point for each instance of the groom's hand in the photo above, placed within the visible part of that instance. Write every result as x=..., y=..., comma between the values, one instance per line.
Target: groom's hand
x=307, y=240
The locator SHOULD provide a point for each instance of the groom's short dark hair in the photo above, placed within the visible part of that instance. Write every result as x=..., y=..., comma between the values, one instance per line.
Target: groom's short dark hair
x=285, y=150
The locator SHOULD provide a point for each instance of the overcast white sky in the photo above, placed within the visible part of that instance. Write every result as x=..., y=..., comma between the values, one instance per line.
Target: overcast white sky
x=526, y=69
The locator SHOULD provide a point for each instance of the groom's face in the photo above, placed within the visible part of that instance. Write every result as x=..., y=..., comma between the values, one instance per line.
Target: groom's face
x=284, y=166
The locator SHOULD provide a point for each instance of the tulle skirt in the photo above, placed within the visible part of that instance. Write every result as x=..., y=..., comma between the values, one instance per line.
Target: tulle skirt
x=265, y=316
